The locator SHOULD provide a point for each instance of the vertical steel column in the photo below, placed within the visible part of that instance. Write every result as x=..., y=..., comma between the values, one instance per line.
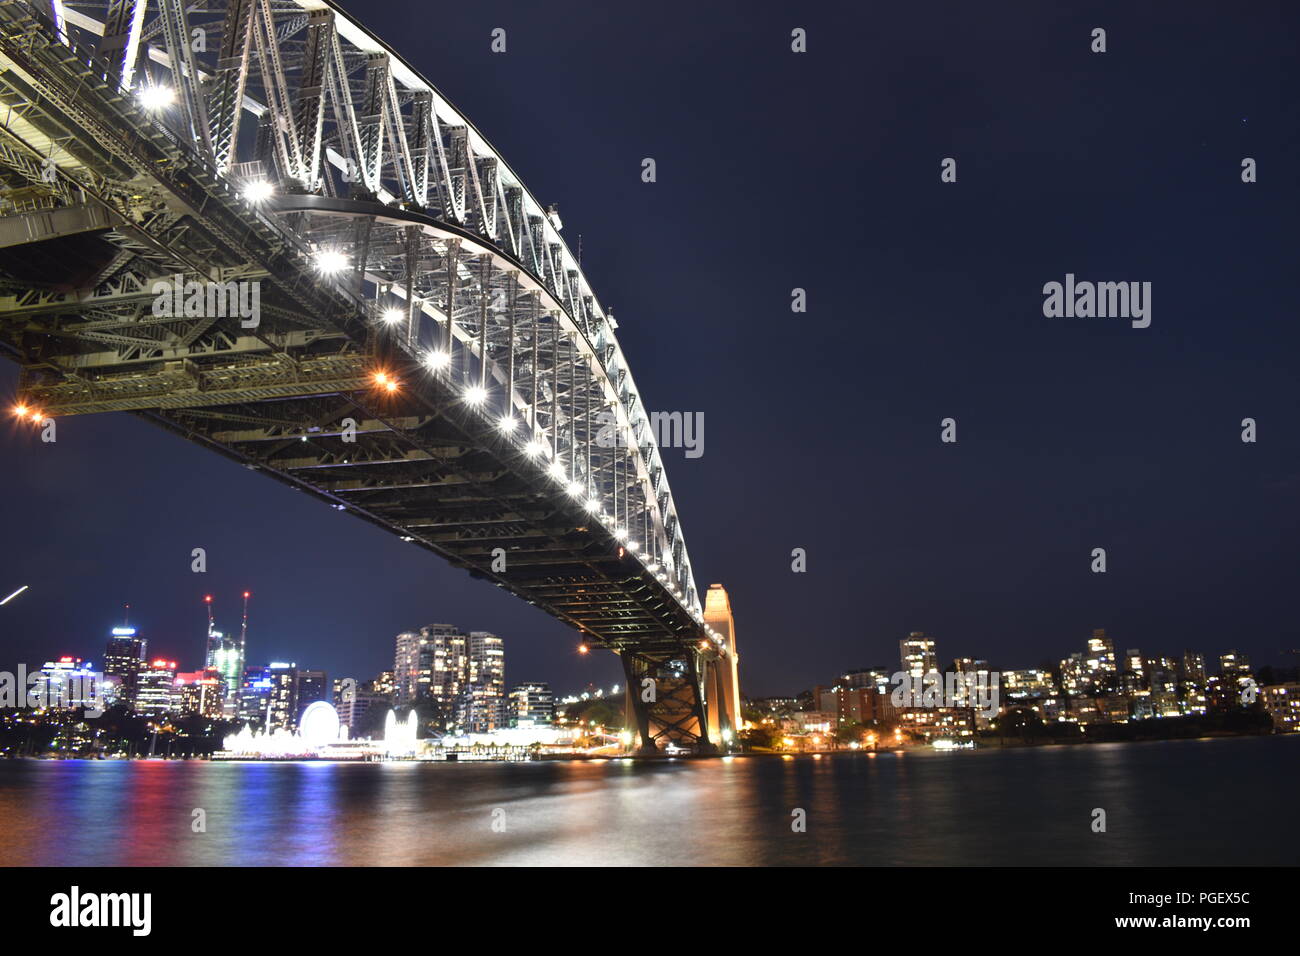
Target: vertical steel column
x=532, y=406
x=513, y=279
x=412, y=263
x=449, y=339
x=484, y=292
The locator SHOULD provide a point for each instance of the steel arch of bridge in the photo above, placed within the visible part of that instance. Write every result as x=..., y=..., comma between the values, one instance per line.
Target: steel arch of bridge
x=513, y=428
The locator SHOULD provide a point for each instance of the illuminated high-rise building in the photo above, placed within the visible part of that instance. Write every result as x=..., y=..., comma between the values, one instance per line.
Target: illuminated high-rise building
x=1234, y=666
x=67, y=683
x=1031, y=683
x=484, y=690
x=1282, y=703
x=457, y=679
x=430, y=667
x=1133, y=674
x=917, y=654
x=1074, y=674
x=1100, y=660
x=201, y=692
x=156, y=691
x=1162, y=674
x=1193, y=668
x=226, y=655
x=253, y=702
x=970, y=669
x=283, y=704
x=532, y=705
x=123, y=659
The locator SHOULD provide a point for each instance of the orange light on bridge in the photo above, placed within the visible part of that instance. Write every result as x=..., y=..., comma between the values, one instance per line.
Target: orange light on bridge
x=20, y=411
x=388, y=384
x=582, y=648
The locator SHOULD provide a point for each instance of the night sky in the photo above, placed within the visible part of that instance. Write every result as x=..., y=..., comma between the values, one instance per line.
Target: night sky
x=820, y=170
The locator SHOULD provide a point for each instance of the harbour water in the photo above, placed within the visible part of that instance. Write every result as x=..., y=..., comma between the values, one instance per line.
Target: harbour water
x=1220, y=801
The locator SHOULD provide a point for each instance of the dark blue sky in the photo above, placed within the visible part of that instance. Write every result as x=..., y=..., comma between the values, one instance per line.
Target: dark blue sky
x=820, y=171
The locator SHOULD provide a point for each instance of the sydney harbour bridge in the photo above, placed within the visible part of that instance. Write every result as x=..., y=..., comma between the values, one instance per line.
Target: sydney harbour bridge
x=370, y=306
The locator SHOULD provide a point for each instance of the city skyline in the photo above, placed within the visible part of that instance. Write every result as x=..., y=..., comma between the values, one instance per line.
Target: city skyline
x=913, y=648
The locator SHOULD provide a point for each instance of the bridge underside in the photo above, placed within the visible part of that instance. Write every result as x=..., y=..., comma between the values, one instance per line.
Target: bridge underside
x=492, y=457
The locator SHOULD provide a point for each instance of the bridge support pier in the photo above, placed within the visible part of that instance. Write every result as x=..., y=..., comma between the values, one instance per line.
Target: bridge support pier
x=691, y=699
x=666, y=702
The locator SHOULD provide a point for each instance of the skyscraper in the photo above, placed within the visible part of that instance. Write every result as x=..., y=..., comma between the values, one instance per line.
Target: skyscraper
x=283, y=702
x=226, y=655
x=68, y=682
x=156, y=691
x=430, y=666
x=200, y=693
x=1100, y=660
x=459, y=678
x=253, y=701
x=484, y=692
x=123, y=659
x=917, y=654
x=1234, y=665
x=1194, y=668
x=1074, y=674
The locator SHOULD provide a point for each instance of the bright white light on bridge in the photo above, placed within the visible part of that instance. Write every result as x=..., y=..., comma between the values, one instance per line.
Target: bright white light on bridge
x=436, y=360
x=508, y=424
x=557, y=469
x=156, y=97
x=632, y=545
x=593, y=505
x=575, y=488
x=476, y=394
x=393, y=316
x=534, y=448
x=331, y=261
x=14, y=595
x=259, y=190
